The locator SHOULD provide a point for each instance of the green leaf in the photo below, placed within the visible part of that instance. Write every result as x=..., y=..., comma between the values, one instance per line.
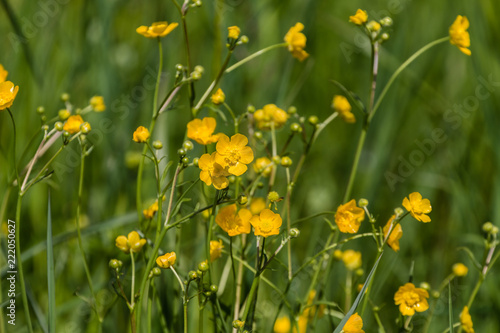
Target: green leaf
x=50, y=271
x=450, y=308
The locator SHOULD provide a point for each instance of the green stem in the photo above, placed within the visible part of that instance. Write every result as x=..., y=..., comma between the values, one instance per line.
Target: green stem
x=132, y=291
x=354, y=168
x=255, y=55
x=250, y=297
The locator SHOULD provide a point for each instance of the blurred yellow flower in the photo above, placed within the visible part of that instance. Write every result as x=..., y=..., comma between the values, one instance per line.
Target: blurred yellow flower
x=166, y=260
x=396, y=234
x=157, y=29
x=354, y=324
x=212, y=172
x=218, y=98
x=3, y=74
x=342, y=106
x=233, y=153
x=459, y=35
x=359, y=18
x=418, y=207
x=270, y=115
x=373, y=26
x=97, y=103
x=151, y=210
x=141, y=134
x=349, y=217
x=232, y=222
x=351, y=259
x=215, y=249
x=466, y=320
x=266, y=223
x=263, y=166
x=133, y=242
x=411, y=299
x=8, y=93
x=296, y=41
x=460, y=269
x=73, y=124
x=201, y=130
x=282, y=325
x=233, y=32
x=257, y=205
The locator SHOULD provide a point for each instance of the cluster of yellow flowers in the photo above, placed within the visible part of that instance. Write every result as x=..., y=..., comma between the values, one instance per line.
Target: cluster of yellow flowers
x=270, y=116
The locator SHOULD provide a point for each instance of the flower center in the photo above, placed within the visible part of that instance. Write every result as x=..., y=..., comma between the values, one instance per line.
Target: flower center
x=411, y=298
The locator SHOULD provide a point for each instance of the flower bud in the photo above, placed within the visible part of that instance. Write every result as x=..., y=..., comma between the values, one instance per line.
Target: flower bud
x=296, y=128
x=384, y=36
x=65, y=97
x=214, y=288
x=85, y=128
x=195, y=161
x=192, y=275
x=313, y=120
x=487, y=227
x=425, y=285
x=66, y=134
x=386, y=21
x=64, y=114
x=494, y=230
x=435, y=294
x=196, y=75
x=294, y=232
x=179, y=67
x=286, y=161
x=373, y=26
x=40, y=110
x=292, y=110
x=337, y=254
x=58, y=126
x=199, y=69
x=231, y=179
x=242, y=199
x=203, y=266
x=238, y=324
x=197, y=3
x=181, y=152
x=244, y=39
x=273, y=196
x=359, y=272
x=156, y=271
x=250, y=108
x=399, y=211
x=276, y=159
x=157, y=144
x=258, y=135
x=114, y=263
x=185, y=161
x=188, y=145
x=362, y=202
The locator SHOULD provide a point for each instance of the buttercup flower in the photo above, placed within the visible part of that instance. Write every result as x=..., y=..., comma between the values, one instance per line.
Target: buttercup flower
x=218, y=98
x=282, y=325
x=359, y=18
x=460, y=269
x=257, y=205
x=351, y=259
x=233, y=32
x=166, y=260
x=3, y=74
x=215, y=249
x=232, y=222
x=411, y=299
x=270, y=115
x=141, y=134
x=418, y=207
x=466, y=320
x=151, y=210
x=73, y=124
x=212, y=172
x=201, y=130
x=97, y=103
x=296, y=41
x=157, y=29
x=233, y=153
x=354, y=324
x=133, y=242
x=342, y=106
x=349, y=217
x=263, y=166
x=459, y=35
x=8, y=93
x=266, y=223
x=396, y=234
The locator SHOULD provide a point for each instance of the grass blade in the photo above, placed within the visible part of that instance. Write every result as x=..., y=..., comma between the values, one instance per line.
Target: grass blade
x=450, y=307
x=50, y=272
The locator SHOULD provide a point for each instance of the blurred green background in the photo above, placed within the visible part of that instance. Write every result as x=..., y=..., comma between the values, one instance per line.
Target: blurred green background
x=88, y=48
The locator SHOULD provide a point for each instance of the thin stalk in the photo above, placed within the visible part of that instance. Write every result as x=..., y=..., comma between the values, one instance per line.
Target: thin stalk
x=255, y=55
x=37, y=177
x=238, y=282
x=132, y=289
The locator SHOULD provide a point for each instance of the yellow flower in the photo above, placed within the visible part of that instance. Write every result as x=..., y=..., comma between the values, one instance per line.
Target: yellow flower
x=270, y=115
x=373, y=26
x=282, y=325
x=232, y=222
x=459, y=35
x=157, y=29
x=349, y=217
x=257, y=205
x=3, y=74
x=166, y=260
x=263, y=165
x=354, y=324
x=215, y=249
x=411, y=299
x=296, y=41
x=233, y=154
x=466, y=320
x=266, y=223
x=97, y=103
x=460, y=269
x=418, y=207
x=201, y=130
x=8, y=93
x=212, y=172
x=151, y=210
x=141, y=134
x=351, y=259
x=73, y=124
x=342, y=106
x=133, y=242
x=233, y=32
x=218, y=98
x=396, y=234
x=359, y=18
